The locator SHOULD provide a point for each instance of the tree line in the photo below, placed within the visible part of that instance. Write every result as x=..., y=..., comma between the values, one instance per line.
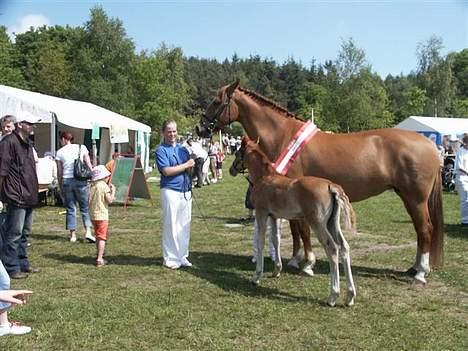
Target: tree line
x=98, y=63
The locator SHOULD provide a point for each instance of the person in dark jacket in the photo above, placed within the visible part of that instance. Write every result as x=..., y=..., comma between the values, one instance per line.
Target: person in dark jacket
x=18, y=189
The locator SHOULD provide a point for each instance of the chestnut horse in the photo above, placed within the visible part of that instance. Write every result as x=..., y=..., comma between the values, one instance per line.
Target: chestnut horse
x=316, y=200
x=365, y=163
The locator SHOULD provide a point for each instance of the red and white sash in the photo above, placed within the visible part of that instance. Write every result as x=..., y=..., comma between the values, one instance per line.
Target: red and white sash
x=295, y=147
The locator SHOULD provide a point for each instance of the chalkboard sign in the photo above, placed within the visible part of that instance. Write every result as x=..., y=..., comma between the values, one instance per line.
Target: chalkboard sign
x=129, y=180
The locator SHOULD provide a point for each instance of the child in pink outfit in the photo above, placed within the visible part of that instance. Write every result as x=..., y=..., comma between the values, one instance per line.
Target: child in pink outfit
x=101, y=195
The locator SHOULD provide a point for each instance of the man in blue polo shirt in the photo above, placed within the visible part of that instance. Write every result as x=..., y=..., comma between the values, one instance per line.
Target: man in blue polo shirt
x=174, y=163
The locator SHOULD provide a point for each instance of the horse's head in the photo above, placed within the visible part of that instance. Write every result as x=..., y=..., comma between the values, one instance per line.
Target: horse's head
x=220, y=113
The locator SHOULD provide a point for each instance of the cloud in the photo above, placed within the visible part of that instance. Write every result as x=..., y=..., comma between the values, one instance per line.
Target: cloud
x=26, y=22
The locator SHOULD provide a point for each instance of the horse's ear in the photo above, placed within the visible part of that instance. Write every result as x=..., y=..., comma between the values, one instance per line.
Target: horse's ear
x=231, y=88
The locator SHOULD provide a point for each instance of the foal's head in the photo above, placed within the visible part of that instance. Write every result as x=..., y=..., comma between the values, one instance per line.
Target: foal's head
x=250, y=156
x=238, y=165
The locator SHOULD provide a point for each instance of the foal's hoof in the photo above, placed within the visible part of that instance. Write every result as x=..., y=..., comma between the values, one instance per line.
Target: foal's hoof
x=308, y=271
x=411, y=272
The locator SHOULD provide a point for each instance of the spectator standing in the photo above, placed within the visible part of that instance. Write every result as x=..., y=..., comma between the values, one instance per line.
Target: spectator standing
x=200, y=156
x=173, y=162
x=232, y=144
x=461, y=171
x=74, y=190
x=19, y=190
x=219, y=163
x=100, y=196
x=212, y=152
x=225, y=141
x=8, y=125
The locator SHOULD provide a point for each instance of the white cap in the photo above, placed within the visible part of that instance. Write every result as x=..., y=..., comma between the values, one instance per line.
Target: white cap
x=27, y=117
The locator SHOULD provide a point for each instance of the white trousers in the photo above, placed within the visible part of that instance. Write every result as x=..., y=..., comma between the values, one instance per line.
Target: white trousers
x=177, y=215
x=462, y=189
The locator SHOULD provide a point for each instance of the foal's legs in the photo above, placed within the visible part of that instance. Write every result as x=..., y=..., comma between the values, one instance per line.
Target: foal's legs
x=261, y=223
x=275, y=238
x=346, y=261
x=332, y=251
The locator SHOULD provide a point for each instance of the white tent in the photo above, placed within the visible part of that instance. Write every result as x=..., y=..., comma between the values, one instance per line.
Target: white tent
x=60, y=114
x=435, y=127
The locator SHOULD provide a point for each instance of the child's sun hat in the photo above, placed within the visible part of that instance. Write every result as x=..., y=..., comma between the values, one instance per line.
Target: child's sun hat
x=99, y=172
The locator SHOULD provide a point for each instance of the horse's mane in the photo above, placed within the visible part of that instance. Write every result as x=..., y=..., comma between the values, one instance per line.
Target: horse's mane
x=269, y=102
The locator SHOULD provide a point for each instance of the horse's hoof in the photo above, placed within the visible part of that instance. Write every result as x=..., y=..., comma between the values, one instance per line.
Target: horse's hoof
x=308, y=271
x=331, y=303
x=411, y=272
x=350, y=302
x=255, y=282
x=276, y=274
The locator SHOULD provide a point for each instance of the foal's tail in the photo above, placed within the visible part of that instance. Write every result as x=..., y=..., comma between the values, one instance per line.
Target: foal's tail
x=341, y=204
x=437, y=220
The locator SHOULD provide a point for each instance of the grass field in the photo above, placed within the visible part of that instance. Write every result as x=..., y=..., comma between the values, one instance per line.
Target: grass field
x=136, y=304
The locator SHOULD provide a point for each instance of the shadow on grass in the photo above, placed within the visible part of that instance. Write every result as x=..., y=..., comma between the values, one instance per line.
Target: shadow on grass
x=226, y=220
x=58, y=237
x=123, y=260
x=456, y=231
x=217, y=268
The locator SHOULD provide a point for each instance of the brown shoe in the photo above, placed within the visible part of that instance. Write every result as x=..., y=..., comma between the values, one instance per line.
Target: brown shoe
x=31, y=269
x=18, y=275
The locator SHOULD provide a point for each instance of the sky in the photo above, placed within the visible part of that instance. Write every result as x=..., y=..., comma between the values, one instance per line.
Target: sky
x=388, y=31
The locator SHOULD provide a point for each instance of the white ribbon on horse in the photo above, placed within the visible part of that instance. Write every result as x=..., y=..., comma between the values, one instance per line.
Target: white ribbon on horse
x=295, y=147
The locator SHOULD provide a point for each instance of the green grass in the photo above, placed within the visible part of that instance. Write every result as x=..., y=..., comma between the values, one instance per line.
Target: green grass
x=135, y=304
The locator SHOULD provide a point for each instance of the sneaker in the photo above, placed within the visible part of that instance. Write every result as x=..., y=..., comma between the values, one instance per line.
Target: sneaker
x=171, y=265
x=186, y=263
x=73, y=239
x=100, y=263
x=14, y=328
x=31, y=269
x=18, y=275
x=90, y=238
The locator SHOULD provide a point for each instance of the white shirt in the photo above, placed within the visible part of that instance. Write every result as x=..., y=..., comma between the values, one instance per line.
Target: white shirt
x=461, y=161
x=198, y=150
x=46, y=169
x=68, y=154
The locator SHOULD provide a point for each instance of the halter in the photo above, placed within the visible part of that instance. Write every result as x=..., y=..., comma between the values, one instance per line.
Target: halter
x=211, y=125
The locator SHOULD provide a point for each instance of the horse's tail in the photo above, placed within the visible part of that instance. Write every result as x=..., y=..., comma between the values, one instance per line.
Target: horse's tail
x=341, y=203
x=437, y=219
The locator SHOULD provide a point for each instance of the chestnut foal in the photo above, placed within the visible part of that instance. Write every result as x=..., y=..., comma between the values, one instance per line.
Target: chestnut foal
x=318, y=201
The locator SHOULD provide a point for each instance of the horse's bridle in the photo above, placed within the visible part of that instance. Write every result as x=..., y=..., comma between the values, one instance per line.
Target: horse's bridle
x=211, y=125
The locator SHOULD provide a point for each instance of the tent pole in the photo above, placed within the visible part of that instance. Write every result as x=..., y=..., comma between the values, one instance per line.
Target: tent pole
x=53, y=133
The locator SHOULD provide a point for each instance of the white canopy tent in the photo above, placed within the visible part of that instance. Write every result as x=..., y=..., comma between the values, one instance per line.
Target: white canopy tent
x=60, y=114
x=435, y=127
